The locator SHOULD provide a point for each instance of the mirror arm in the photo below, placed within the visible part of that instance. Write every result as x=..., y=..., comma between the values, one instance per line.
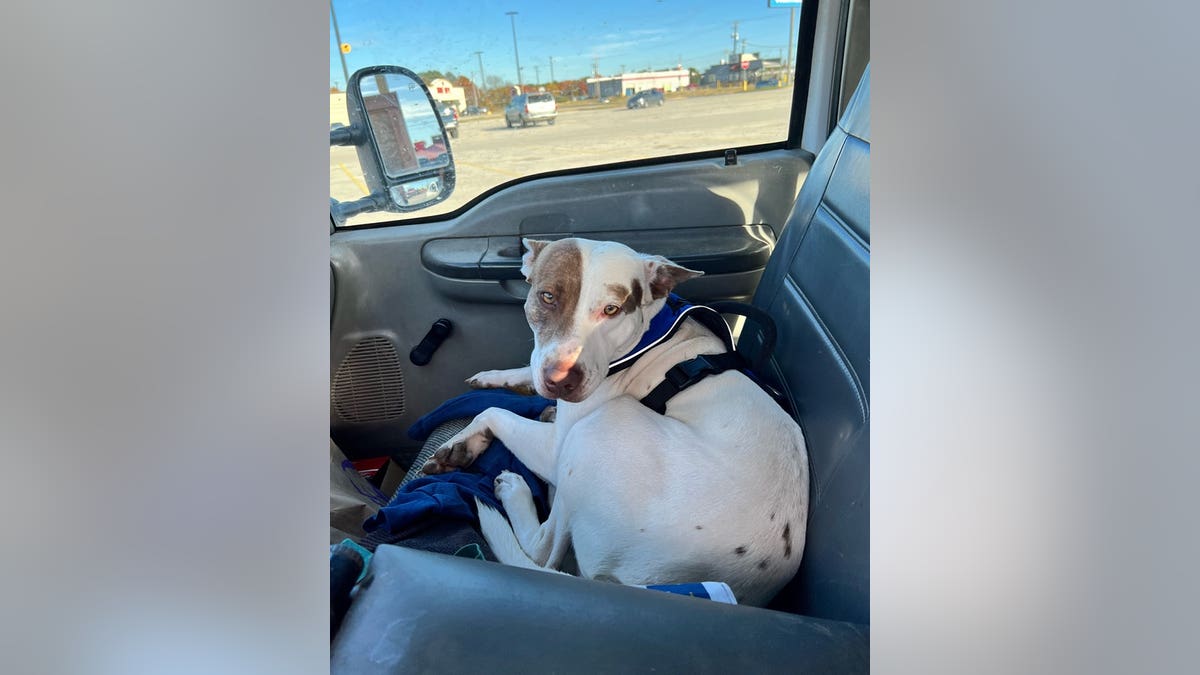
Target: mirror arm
x=342, y=211
x=344, y=136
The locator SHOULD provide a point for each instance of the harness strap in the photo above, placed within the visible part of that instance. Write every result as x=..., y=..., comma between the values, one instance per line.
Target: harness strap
x=685, y=374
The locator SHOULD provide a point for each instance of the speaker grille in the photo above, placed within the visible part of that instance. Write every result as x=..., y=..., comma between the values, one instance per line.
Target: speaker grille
x=369, y=386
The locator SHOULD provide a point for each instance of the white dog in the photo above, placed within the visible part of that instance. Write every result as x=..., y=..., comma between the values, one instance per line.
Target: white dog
x=715, y=489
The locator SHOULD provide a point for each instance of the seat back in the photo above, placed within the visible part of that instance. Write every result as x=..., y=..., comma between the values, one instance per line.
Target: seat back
x=816, y=287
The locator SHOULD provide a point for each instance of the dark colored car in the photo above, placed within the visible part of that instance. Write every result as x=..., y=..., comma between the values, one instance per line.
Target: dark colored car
x=644, y=99
x=450, y=120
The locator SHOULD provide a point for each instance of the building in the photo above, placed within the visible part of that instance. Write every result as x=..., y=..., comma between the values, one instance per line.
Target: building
x=748, y=66
x=629, y=84
x=444, y=92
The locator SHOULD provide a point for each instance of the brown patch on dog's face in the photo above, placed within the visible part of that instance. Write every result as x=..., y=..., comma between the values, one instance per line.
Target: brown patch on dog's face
x=628, y=297
x=555, y=281
x=635, y=297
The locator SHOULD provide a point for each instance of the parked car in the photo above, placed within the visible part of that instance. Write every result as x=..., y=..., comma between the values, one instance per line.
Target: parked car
x=527, y=109
x=763, y=84
x=644, y=99
x=450, y=120
x=476, y=110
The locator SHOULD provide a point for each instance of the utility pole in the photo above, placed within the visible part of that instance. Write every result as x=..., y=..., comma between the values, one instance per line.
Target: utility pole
x=338, y=35
x=551, y=70
x=517, y=55
x=742, y=55
x=482, y=77
x=734, y=60
x=537, y=74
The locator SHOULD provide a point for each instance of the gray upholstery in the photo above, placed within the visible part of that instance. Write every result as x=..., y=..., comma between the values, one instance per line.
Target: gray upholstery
x=429, y=613
x=817, y=288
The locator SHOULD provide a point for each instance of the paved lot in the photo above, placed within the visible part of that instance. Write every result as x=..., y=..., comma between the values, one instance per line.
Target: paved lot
x=487, y=153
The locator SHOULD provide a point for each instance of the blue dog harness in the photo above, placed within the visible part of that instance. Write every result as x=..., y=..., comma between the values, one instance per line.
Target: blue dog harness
x=682, y=375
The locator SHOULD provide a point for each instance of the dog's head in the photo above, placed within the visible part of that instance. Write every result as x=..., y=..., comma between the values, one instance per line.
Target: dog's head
x=589, y=303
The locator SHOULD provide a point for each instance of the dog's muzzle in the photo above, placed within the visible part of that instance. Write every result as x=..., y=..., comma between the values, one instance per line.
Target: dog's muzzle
x=562, y=384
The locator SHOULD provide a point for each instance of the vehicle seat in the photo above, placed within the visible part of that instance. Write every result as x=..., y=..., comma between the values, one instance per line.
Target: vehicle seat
x=817, y=289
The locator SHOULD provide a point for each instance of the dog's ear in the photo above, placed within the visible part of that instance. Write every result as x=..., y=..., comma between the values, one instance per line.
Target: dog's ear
x=533, y=247
x=662, y=275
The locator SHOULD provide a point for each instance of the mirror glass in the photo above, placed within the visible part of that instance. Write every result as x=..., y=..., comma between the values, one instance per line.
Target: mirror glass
x=404, y=123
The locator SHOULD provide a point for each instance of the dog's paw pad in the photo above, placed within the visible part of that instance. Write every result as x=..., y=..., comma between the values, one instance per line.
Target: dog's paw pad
x=454, y=455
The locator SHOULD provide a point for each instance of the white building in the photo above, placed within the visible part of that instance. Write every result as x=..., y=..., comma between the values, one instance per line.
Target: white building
x=628, y=84
x=444, y=92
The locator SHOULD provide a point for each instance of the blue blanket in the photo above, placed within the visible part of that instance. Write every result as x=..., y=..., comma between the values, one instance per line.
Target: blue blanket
x=451, y=496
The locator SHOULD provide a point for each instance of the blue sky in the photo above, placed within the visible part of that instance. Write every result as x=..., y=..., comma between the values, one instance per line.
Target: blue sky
x=636, y=34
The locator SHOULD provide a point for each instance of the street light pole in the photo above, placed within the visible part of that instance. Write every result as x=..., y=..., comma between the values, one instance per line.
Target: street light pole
x=787, y=68
x=513, y=17
x=338, y=35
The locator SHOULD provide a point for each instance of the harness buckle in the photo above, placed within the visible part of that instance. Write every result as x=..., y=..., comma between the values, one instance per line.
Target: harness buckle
x=685, y=374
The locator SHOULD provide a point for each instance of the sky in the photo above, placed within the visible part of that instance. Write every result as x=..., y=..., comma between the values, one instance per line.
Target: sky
x=636, y=34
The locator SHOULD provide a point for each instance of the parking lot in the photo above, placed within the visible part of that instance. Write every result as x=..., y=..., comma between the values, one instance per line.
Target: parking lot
x=488, y=153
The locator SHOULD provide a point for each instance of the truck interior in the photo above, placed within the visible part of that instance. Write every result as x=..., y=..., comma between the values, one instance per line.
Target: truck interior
x=783, y=226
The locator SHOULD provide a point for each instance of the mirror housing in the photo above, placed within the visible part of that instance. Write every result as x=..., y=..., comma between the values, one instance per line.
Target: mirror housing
x=402, y=145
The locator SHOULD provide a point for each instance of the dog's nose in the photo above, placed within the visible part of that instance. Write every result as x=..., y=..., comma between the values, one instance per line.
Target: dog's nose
x=565, y=384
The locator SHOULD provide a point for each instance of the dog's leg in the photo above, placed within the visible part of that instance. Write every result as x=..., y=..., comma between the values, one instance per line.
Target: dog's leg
x=517, y=379
x=544, y=543
x=532, y=442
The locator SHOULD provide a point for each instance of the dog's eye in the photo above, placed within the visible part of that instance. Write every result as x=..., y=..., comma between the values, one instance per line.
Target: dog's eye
x=547, y=297
x=610, y=310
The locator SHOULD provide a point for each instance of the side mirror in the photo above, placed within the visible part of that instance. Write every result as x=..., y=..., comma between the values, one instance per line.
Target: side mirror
x=402, y=144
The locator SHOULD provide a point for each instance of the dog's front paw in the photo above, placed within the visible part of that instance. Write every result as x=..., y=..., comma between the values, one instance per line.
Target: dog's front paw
x=509, y=485
x=458, y=452
x=488, y=379
x=516, y=379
